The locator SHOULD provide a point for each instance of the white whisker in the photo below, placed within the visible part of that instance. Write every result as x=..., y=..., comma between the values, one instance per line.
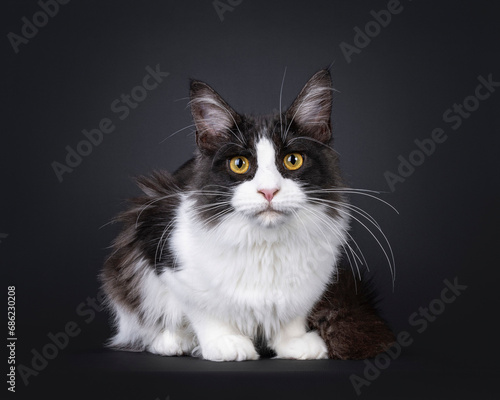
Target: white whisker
x=351, y=207
x=312, y=140
x=180, y=130
x=281, y=114
x=363, y=192
x=391, y=263
x=160, y=241
x=343, y=241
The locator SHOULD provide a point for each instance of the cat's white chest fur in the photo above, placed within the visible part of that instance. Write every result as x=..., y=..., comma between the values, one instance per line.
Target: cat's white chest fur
x=248, y=275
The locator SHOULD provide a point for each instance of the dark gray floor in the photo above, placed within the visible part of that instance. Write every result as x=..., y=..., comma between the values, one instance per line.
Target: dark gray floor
x=121, y=375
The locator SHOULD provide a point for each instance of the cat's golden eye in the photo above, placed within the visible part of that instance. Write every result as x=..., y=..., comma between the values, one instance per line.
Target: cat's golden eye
x=239, y=164
x=293, y=161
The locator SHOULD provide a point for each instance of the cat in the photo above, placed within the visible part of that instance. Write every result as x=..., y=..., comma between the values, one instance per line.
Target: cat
x=241, y=248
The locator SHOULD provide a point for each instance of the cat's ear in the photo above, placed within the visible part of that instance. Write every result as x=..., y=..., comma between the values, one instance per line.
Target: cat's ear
x=311, y=110
x=212, y=116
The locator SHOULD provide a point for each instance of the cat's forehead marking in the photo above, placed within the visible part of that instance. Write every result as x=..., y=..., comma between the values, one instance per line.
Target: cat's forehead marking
x=266, y=154
x=267, y=176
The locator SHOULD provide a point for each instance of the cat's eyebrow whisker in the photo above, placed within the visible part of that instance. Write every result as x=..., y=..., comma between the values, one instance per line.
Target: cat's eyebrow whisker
x=243, y=144
x=113, y=221
x=183, y=98
x=176, y=132
x=274, y=129
x=392, y=263
x=312, y=140
x=222, y=147
x=291, y=122
x=281, y=115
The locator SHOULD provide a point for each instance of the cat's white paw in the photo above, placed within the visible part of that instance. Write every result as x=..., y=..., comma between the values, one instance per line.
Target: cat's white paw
x=172, y=344
x=229, y=348
x=309, y=346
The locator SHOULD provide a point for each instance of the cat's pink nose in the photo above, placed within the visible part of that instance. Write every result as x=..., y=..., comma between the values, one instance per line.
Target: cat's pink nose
x=268, y=193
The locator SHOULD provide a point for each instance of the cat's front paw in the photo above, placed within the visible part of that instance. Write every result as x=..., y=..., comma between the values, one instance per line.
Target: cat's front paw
x=229, y=348
x=172, y=344
x=309, y=346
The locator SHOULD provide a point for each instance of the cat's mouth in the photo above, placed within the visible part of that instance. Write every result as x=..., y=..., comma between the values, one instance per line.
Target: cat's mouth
x=270, y=216
x=270, y=212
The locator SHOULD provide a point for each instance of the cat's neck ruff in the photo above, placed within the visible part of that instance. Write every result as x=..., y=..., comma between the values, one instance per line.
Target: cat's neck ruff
x=259, y=276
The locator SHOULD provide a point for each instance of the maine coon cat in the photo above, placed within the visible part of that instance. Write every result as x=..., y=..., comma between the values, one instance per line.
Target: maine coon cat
x=242, y=244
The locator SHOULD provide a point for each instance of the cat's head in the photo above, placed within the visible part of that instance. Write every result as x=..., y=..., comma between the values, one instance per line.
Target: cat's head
x=267, y=169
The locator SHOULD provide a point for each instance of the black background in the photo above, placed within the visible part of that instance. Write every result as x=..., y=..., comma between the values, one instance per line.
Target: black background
x=394, y=91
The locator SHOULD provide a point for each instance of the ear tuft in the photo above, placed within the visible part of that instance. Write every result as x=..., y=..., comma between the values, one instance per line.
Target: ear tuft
x=311, y=110
x=213, y=117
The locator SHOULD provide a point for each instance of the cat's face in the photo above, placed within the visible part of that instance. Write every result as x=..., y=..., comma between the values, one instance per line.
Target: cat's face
x=267, y=169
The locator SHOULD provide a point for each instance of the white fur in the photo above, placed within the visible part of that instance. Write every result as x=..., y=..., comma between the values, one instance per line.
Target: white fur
x=264, y=265
x=294, y=342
